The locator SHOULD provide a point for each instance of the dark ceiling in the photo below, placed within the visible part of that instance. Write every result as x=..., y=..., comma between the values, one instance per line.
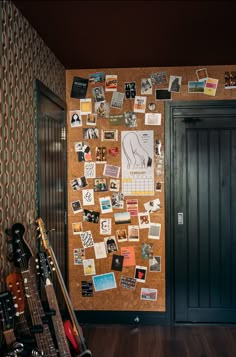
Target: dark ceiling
x=116, y=34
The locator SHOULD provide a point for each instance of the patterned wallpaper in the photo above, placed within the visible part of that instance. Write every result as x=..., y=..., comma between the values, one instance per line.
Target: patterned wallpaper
x=24, y=57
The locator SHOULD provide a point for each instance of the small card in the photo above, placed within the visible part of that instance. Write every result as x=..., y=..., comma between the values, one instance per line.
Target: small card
x=140, y=273
x=89, y=267
x=105, y=204
x=79, y=87
x=87, y=288
x=88, y=197
x=77, y=227
x=117, y=262
x=87, y=239
x=140, y=104
x=76, y=206
x=100, y=250
x=147, y=250
x=148, y=294
x=154, y=231
x=144, y=220
x=155, y=264
x=127, y=282
x=133, y=233
x=105, y=226
x=104, y=282
x=79, y=256
x=111, y=83
x=129, y=256
x=111, y=171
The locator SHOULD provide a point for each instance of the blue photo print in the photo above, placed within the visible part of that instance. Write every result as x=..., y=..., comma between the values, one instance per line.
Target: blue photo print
x=104, y=282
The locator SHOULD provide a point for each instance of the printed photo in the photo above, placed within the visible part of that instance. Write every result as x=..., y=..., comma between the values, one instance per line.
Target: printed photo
x=130, y=119
x=121, y=235
x=75, y=118
x=114, y=185
x=117, y=200
x=98, y=94
x=122, y=218
x=153, y=206
x=146, y=86
x=76, y=206
x=133, y=233
x=158, y=78
x=201, y=74
x=102, y=109
x=155, y=264
x=117, y=262
x=109, y=135
x=148, y=294
x=154, y=231
x=117, y=100
x=98, y=77
x=78, y=183
x=111, y=83
x=104, y=282
x=105, y=204
x=90, y=133
x=101, y=154
x=140, y=273
x=77, y=227
x=175, y=84
x=127, y=282
x=100, y=184
x=91, y=119
x=83, y=151
x=111, y=245
x=147, y=250
x=91, y=216
x=144, y=219
x=89, y=267
x=196, y=87
x=130, y=90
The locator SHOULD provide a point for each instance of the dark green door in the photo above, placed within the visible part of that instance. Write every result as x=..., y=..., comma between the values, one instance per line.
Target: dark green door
x=204, y=209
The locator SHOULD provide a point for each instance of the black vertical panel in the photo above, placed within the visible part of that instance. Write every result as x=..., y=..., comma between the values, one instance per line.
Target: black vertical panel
x=233, y=218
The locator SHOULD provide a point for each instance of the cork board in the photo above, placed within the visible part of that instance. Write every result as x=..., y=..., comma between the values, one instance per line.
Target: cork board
x=121, y=298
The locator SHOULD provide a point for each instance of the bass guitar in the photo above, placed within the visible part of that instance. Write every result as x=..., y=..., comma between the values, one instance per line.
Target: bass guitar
x=76, y=329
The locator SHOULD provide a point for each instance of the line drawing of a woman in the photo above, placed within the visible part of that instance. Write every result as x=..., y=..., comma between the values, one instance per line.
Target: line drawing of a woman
x=137, y=157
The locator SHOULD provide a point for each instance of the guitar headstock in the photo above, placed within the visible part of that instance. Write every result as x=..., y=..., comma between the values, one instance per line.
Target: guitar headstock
x=42, y=233
x=15, y=286
x=44, y=265
x=7, y=310
x=21, y=250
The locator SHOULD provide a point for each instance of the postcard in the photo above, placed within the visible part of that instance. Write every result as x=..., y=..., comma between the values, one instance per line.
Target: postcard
x=158, y=78
x=129, y=256
x=77, y=227
x=117, y=200
x=90, y=133
x=144, y=220
x=76, y=206
x=98, y=77
x=100, y=250
x=146, y=86
x=104, y=282
x=117, y=262
x=121, y=235
x=132, y=206
x=140, y=273
x=140, y=104
x=75, y=118
x=147, y=250
x=175, y=84
x=90, y=169
x=100, y=184
x=91, y=119
x=130, y=119
x=117, y=100
x=105, y=204
x=91, y=216
x=111, y=171
x=87, y=239
x=154, y=231
x=98, y=94
x=89, y=267
x=153, y=206
x=83, y=151
x=114, y=185
x=105, y=226
x=148, y=294
x=102, y=109
x=133, y=233
x=211, y=86
x=85, y=106
x=79, y=256
x=111, y=245
x=109, y=135
x=111, y=83
x=122, y=218
x=127, y=282
x=201, y=74
x=101, y=154
x=87, y=288
x=88, y=197
x=163, y=94
x=79, y=87
x=196, y=87
x=130, y=90
x=153, y=119
x=155, y=264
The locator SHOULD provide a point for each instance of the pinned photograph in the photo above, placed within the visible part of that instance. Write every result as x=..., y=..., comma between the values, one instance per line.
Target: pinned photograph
x=144, y=220
x=91, y=216
x=211, y=86
x=105, y=204
x=78, y=183
x=90, y=133
x=111, y=83
x=111, y=245
x=117, y=262
x=154, y=231
x=85, y=106
x=132, y=206
x=89, y=267
x=140, y=104
x=117, y=200
x=95, y=78
x=140, y=273
x=90, y=169
x=104, y=282
x=100, y=250
x=129, y=256
x=101, y=154
x=127, y=282
x=100, y=184
x=117, y=100
x=230, y=79
x=133, y=233
x=79, y=87
x=76, y=206
x=146, y=86
x=175, y=84
x=109, y=135
x=152, y=119
x=114, y=185
x=86, y=239
x=201, y=74
x=98, y=94
x=158, y=186
x=196, y=87
x=121, y=235
x=102, y=109
x=158, y=78
x=77, y=227
x=155, y=264
x=122, y=218
x=88, y=197
x=151, y=106
x=153, y=206
x=148, y=294
x=130, y=119
x=87, y=288
x=79, y=256
x=75, y=118
x=83, y=151
x=91, y=119
x=111, y=171
x=163, y=94
x=105, y=226
x=130, y=90
x=147, y=250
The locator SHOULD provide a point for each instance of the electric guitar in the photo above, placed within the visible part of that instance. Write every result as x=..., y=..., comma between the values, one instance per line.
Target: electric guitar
x=23, y=258
x=74, y=334
x=45, y=272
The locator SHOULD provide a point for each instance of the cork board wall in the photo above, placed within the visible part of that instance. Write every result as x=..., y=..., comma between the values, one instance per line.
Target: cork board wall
x=86, y=147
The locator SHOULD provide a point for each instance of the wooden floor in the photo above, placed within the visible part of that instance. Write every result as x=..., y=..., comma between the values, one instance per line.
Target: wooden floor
x=161, y=341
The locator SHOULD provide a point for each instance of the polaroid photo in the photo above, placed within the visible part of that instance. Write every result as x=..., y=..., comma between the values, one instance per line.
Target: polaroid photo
x=130, y=90
x=89, y=267
x=111, y=245
x=85, y=106
x=105, y=226
x=100, y=184
x=91, y=119
x=132, y=206
x=155, y=264
x=117, y=200
x=140, y=104
x=95, y=78
x=100, y=250
x=133, y=233
x=111, y=171
x=117, y=262
x=127, y=282
x=163, y=94
x=102, y=109
x=196, y=87
x=105, y=204
x=146, y=86
x=101, y=154
x=122, y=218
x=201, y=74
x=140, y=273
x=76, y=206
x=78, y=183
x=114, y=185
x=147, y=250
x=86, y=288
x=121, y=235
x=158, y=186
x=153, y=206
x=154, y=231
x=130, y=119
x=91, y=216
x=104, y=282
x=88, y=197
x=86, y=239
x=148, y=294
x=111, y=83
x=113, y=151
x=90, y=133
x=98, y=94
x=79, y=256
x=144, y=220
x=175, y=84
x=77, y=227
x=109, y=135
x=152, y=119
x=117, y=100
x=83, y=151
x=75, y=118
x=90, y=169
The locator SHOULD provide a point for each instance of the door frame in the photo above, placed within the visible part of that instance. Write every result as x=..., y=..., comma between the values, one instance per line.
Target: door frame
x=171, y=114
